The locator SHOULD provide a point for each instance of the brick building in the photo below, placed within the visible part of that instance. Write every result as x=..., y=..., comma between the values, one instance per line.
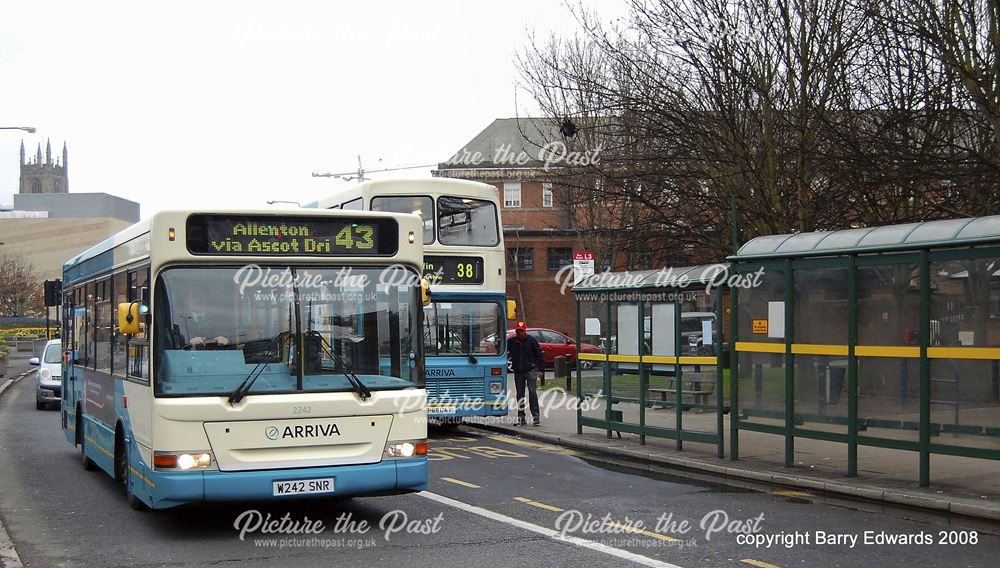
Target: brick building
x=539, y=221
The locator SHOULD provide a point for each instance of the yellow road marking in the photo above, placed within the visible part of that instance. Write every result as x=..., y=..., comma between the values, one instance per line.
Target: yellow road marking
x=753, y=562
x=791, y=494
x=527, y=501
x=636, y=530
x=460, y=482
x=519, y=442
x=515, y=441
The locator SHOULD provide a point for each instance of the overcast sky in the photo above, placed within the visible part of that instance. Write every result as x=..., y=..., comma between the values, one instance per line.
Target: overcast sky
x=209, y=104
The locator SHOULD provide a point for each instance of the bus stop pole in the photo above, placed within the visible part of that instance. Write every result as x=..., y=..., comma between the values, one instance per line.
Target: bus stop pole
x=789, y=365
x=924, y=440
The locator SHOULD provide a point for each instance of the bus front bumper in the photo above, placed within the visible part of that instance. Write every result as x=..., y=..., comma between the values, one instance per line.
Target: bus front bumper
x=170, y=489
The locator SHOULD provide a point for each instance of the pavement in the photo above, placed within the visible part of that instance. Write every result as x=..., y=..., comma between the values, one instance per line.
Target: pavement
x=959, y=486
x=17, y=369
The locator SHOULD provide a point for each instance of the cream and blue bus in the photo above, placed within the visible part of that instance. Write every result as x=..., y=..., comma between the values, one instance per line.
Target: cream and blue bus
x=464, y=332
x=246, y=355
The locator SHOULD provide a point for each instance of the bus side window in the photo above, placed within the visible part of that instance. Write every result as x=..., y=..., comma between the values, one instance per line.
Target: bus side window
x=138, y=345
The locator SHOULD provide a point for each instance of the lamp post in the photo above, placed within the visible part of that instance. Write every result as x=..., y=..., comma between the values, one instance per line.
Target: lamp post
x=28, y=129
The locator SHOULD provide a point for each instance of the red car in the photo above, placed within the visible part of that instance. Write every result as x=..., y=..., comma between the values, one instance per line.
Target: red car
x=555, y=343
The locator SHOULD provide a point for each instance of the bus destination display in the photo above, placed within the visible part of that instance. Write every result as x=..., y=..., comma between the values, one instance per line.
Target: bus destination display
x=290, y=236
x=453, y=269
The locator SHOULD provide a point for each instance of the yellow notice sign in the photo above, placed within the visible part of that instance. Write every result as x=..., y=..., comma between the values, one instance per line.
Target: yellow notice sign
x=760, y=327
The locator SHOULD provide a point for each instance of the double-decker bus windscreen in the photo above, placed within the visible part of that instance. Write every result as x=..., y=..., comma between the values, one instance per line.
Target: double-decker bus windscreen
x=463, y=328
x=465, y=221
x=285, y=329
x=416, y=204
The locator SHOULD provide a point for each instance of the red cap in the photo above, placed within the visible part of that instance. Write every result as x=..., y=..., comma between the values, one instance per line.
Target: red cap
x=521, y=325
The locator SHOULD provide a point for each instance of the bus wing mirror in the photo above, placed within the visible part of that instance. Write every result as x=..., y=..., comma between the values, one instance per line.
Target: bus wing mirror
x=425, y=292
x=128, y=317
x=512, y=309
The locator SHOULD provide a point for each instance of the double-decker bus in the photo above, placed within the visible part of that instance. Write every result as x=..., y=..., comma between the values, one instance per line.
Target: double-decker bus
x=464, y=326
x=246, y=355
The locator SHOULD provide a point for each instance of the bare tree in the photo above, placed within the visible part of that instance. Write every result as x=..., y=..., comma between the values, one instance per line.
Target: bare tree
x=20, y=292
x=812, y=114
x=700, y=101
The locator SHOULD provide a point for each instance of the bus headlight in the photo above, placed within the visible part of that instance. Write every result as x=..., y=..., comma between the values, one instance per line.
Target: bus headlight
x=182, y=460
x=496, y=387
x=408, y=449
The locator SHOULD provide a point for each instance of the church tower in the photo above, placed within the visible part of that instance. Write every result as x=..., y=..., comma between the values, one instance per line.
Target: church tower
x=46, y=176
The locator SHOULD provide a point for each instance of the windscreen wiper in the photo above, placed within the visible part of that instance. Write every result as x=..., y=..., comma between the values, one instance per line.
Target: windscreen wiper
x=468, y=352
x=359, y=387
x=272, y=350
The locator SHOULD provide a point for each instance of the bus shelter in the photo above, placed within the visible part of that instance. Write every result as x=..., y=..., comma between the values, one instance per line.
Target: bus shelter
x=660, y=371
x=886, y=337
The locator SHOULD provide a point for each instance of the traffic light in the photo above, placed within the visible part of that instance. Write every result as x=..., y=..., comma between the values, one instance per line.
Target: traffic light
x=53, y=293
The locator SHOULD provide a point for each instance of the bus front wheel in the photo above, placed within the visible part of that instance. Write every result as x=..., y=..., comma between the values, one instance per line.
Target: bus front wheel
x=123, y=472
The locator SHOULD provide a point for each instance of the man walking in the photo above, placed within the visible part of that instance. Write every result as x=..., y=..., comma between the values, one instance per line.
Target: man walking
x=528, y=363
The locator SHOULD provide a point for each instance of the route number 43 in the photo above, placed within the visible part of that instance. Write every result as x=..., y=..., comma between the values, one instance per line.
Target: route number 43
x=356, y=236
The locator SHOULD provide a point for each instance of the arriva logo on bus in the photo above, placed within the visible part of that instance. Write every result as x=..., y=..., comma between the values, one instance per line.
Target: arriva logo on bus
x=440, y=372
x=304, y=431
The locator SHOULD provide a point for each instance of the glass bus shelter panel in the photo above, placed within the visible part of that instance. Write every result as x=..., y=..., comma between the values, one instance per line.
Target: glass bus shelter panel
x=699, y=328
x=821, y=306
x=624, y=328
x=821, y=310
x=965, y=393
x=593, y=322
x=888, y=349
x=762, y=309
x=762, y=388
x=889, y=397
x=964, y=406
x=660, y=337
x=965, y=303
x=821, y=392
x=889, y=305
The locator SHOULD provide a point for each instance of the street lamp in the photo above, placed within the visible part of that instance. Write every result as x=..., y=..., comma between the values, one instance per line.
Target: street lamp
x=28, y=129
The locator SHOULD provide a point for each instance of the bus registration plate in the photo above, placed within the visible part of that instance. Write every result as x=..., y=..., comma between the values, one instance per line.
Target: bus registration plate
x=441, y=410
x=303, y=486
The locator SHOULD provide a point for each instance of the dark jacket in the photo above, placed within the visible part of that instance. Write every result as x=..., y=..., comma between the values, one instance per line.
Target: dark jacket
x=526, y=354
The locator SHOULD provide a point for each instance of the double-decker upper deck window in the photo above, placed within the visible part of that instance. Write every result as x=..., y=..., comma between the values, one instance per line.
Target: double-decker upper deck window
x=465, y=221
x=416, y=204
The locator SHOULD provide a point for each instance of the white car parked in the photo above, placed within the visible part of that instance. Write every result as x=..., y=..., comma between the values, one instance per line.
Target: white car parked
x=48, y=377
